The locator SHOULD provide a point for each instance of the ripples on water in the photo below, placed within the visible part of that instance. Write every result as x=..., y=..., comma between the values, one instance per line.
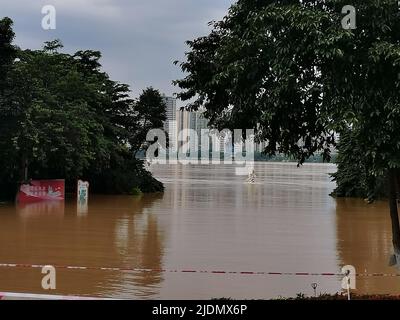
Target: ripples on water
x=208, y=219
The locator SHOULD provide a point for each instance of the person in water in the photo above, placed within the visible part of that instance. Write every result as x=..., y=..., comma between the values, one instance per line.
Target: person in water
x=252, y=177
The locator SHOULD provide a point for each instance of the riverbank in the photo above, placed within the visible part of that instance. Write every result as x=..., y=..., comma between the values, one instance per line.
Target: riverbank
x=331, y=297
x=326, y=297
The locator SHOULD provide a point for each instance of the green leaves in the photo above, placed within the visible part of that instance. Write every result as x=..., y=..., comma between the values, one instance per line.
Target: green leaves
x=7, y=49
x=66, y=118
x=149, y=112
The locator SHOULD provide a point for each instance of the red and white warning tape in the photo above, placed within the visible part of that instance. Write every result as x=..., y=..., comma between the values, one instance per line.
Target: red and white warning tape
x=329, y=274
x=19, y=265
x=32, y=296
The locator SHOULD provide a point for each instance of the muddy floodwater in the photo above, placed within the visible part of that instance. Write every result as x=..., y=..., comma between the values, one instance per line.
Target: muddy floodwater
x=208, y=219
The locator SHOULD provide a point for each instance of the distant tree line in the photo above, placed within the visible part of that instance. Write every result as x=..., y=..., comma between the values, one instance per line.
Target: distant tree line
x=61, y=116
x=260, y=156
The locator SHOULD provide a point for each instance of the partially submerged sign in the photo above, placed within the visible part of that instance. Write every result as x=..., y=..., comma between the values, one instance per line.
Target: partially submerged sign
x=83, y=196
x=41, y=190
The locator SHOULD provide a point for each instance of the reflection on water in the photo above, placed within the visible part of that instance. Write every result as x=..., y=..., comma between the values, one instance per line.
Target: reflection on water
x=283, y=223
x=365, y=241
x=115, y=232
x=208, y=219
x=47, y=208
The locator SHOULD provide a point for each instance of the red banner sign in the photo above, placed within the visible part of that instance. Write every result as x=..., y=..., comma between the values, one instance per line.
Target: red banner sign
x=42, y=190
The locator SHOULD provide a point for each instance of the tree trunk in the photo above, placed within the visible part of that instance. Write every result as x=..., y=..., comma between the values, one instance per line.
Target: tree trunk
x=24, y=170
x=394, y=214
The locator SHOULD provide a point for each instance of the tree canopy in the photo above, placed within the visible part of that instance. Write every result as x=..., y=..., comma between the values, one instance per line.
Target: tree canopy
x=150, y=113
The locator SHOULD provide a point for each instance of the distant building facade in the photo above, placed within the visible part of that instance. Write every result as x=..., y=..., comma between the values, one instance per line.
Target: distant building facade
x=170, y=125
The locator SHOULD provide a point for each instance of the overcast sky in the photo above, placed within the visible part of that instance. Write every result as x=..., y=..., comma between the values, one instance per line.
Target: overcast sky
x=139, y=39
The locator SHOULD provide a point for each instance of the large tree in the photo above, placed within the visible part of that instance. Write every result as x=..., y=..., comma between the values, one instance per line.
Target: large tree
x=7, y=49
x=291, y=71
x=7, y=56
x=150, y=113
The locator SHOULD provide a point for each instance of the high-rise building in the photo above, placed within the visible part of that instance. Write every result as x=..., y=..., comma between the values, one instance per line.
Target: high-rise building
x=198, y=123
x=189, y=126
x=183, y=121
x=170, y=124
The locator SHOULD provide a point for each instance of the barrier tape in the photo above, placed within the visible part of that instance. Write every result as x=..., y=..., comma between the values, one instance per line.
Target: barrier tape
x=18, y=265
x=32, y=296
x=326, y=274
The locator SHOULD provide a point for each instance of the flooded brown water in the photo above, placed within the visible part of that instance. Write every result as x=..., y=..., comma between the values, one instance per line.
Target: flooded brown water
x=208, y=219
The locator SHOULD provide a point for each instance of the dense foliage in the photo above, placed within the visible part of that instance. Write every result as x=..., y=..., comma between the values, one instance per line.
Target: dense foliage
x=354, y=177
x=150, y=113
x=61, y=116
